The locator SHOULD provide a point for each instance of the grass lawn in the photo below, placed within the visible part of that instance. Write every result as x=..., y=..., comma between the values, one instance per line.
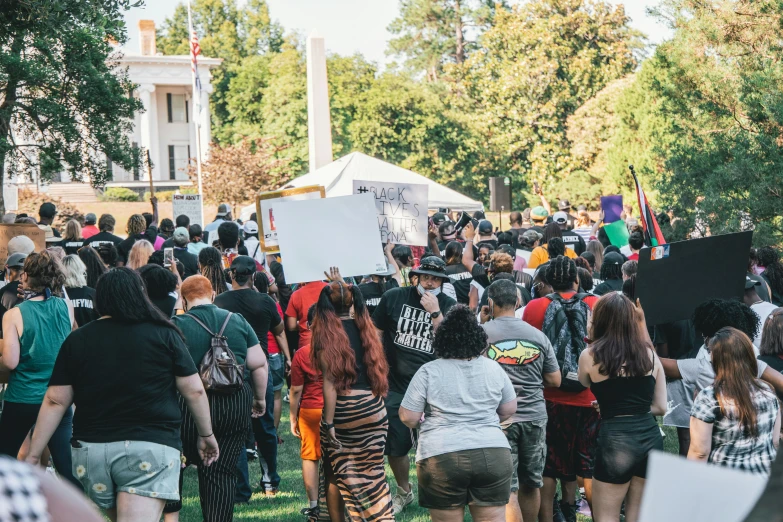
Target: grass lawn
x=286, y=505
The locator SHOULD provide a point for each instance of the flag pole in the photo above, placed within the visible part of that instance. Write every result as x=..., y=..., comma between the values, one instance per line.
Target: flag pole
x=196, y=109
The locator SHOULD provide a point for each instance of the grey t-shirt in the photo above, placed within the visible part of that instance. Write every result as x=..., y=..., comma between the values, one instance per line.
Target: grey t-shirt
x=459, y=399
x=526, y=354
x=697, y=374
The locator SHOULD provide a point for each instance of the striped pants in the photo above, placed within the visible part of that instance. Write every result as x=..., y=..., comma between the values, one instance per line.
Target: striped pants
x=217, y=483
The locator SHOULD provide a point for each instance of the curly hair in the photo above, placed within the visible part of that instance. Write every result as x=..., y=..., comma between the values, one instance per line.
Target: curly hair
x=136, y=225
x=109, y=254
x=331, y=350
x=501, y=263
x=555, y=248
x=44, y=271
x=561, y=273
x=459, y=336
x=552, y=231
x=712, y=315
x=767, y=256
x=582, y=262
x=210, y=263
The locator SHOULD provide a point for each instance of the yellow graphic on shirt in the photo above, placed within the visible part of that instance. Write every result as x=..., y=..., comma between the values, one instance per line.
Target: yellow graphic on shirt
x=514, y=352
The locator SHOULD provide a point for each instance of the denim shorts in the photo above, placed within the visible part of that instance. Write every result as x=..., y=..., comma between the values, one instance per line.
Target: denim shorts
x=276, y=371
x=140, y=468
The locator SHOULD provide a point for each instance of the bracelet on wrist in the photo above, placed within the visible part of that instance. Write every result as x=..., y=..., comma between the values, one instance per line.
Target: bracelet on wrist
x=207, y=436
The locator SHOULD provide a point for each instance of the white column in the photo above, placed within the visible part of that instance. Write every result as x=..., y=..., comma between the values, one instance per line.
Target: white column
x=205, y=120
x=319, y=126
x=149, y=126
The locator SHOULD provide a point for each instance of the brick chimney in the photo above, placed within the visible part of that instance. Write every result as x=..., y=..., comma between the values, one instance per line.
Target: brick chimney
x=147, y=37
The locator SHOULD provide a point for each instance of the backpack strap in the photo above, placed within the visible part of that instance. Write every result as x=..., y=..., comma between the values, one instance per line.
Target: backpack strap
x=210, y=332
x=225, y=323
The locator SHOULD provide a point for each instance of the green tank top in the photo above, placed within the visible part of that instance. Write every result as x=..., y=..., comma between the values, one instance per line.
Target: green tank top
x=46, y=324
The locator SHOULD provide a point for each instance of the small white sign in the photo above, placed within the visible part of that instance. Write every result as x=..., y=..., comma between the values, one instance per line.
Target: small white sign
x=189, y=205
x=401, y=209
x=317, y=234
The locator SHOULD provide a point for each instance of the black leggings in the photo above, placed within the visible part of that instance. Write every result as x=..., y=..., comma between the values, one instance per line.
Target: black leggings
x=16, y=422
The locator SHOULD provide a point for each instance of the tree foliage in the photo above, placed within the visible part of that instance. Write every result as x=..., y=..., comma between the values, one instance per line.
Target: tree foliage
x=537, y=65
x=234, y=173
x=64, y=104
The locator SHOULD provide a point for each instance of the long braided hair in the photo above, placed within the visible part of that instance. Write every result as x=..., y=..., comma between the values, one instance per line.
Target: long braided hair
x=561, y=273
x=211, y=265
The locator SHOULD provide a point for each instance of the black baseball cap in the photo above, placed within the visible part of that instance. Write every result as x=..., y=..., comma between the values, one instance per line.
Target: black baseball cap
x=47, y=210
x=485, y=227
x=564, y=204
x=438, y=218
x=243, y=266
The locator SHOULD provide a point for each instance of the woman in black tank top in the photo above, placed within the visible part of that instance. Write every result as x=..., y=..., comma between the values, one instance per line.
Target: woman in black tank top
x=626, y=377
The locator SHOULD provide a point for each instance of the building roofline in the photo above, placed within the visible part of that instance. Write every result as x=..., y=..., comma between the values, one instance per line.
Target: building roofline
x=165, y=59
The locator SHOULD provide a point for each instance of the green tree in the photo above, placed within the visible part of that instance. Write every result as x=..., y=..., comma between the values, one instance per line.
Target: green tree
x=225, y=31
x=64, y=104
x=706, y=117
x=434, y=32
x=538, y=64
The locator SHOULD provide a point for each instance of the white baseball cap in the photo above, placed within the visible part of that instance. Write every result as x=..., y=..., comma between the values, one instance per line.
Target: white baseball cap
x=250, y=227
x=560, y=218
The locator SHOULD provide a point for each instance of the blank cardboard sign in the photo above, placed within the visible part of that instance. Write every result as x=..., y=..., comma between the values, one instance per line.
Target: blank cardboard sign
x=674, y=279
x=680, y=490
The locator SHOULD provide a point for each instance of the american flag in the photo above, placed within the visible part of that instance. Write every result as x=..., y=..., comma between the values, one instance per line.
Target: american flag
x=195, y=50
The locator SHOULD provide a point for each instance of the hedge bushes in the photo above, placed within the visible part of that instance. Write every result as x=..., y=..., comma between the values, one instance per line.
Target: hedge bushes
x=119, y=194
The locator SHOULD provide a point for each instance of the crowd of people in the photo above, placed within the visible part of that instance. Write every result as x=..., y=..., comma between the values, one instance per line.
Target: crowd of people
x=515, y=363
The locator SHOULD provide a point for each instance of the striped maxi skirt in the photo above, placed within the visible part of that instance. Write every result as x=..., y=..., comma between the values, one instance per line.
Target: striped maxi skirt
x=361, y=425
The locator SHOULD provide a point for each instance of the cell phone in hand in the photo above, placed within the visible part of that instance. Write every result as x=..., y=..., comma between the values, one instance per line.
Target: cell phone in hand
x=536, y=187
x=168, y=257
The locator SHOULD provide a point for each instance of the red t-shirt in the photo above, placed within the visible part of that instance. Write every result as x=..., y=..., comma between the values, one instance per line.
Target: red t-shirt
x=271, y=342
x=88, y=231
x=301, y=301
x=534, y=315
x=634, y=257
x=303, y=374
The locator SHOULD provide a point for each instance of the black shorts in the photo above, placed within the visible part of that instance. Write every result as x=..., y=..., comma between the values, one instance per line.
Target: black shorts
x=571, y=439
x=624, y=444
x=477, y=477
x=401, y=438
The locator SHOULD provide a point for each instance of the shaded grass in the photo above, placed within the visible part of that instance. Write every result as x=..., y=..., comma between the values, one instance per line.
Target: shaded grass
x=286, y=505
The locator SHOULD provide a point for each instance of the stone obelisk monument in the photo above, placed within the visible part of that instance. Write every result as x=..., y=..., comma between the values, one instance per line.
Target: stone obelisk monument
x=319, y=124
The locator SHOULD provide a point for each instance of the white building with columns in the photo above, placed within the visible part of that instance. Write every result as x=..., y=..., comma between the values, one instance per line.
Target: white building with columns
x=165, y=127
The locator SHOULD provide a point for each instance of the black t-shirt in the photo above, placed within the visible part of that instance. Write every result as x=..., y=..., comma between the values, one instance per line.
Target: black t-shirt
x=460, y=278
x=575, y=241
x=355, y=339
x=124, y=381
x=610, y=285
x=70, y=246
x=258, y=309
x=189, y=261
x=82, y=300
x=775, y=361
x=169, y=243
x=165, y=304
x=372, y=293
x=680, y=338
x=124, y=248
x=103, y=238
x=407, y=333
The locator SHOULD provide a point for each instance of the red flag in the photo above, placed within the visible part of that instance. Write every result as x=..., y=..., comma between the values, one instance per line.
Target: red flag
x=652, y=232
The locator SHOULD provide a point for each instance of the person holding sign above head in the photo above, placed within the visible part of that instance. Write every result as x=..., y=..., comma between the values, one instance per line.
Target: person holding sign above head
x=407, y=317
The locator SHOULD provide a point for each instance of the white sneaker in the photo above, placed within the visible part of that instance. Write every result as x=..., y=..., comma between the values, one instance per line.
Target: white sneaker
x=401, y=500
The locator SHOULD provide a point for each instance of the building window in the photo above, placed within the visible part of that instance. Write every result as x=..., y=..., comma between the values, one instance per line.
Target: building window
x=178, y=161
x=177, y=108
x=109, y=168
x=136, y=164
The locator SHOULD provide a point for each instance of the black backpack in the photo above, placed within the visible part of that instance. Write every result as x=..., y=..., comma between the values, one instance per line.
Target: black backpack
x=565, y=324
x=219, y=370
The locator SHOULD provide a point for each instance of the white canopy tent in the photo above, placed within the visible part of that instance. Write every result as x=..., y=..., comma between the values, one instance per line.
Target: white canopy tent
x=337, y=178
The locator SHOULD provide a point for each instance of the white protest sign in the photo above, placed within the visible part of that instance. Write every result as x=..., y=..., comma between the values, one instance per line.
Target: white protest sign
x=189, y=205
x=266, y=204
x=317, y=234
x=677, y=490
x=401, y=208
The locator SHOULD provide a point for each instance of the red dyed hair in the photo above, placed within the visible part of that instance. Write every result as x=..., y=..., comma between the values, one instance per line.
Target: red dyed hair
x=330, y=348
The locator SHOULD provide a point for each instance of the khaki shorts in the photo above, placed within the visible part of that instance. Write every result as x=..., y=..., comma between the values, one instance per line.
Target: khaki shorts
x=528, y=453
x=136, y=467
x=477, y=477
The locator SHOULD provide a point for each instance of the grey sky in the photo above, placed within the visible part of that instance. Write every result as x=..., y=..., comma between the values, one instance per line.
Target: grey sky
x=352, y=26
